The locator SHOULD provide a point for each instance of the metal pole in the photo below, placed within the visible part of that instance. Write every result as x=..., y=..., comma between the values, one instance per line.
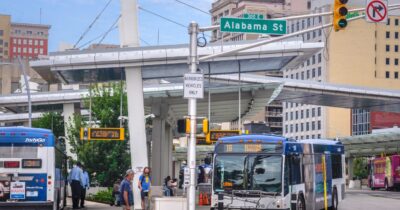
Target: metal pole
x=193, y=59
x=28, y=91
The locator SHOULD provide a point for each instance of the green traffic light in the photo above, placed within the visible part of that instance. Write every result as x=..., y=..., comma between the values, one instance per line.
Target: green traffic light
x=342, y=23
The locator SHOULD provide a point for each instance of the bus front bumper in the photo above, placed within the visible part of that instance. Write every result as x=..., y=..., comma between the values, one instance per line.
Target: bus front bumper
x=26, y=205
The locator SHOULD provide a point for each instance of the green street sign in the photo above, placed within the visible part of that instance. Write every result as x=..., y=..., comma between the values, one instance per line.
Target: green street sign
x=241, y=25
x=253, y=16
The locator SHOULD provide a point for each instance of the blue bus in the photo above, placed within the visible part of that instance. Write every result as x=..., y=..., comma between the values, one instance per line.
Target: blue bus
x=32, y=169
x=273, y=172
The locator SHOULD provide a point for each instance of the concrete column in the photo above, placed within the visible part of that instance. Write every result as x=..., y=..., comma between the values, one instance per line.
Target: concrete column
x=350, y=166
x=161, y=144
x=68, y=113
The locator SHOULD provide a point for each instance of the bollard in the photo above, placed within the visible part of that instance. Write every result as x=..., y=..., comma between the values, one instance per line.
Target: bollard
x=220, y=201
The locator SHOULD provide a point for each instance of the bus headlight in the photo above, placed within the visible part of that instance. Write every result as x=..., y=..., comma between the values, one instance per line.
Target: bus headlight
x=278, y=203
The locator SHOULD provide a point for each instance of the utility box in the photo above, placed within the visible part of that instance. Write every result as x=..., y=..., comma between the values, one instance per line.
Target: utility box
x=168, y=203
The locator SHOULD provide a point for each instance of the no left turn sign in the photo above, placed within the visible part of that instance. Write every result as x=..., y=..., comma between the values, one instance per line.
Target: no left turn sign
x=376, y=11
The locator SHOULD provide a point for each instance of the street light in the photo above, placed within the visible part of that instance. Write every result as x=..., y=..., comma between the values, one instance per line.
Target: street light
x=28, y=90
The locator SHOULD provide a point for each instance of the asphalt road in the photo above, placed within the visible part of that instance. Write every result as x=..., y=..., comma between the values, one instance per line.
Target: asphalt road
x=355, y=200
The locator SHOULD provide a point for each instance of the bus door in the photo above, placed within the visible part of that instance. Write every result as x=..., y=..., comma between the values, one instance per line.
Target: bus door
x=308, y=171
x=323, y=180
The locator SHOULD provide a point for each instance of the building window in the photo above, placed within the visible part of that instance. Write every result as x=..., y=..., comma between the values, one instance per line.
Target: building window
x=297, y=128
x=307, y=113
x=307, y=126
x=35, y=51
x=226, y=13
x=19, y=41
x=396, y=61
x=41, y=43
x=36, y=42
x=302, y=127
x=30, y=42
x=308, y=62
x=319, y=136
x=286, y=129
x=19, y=50
x=396, y=48
x=387, y=74
x=29, y=32
x=291, y=115
x=15, y=49
x=297, y=115
x=320, y=32
x=303, y=24
x=396, y=35
x=24, y=50
x=319, y=58
x=297, y=75
x=286, y=116
x=387, y=34
x=313, y=59
x=14, y=41
x=308, y=22
x=387, y=61
x=25, y=41
x=388, y=22
x=387, y=48
x=319, y=111
x=30, y=50
x=291, y=128
x=302, y=75
x=313, y=73
x=291, y=76
x=313, y=126
x=319, y=71
x=396, y=75
x=396, y=22
x=319, y=125
x=301, y=114
x=308, y=36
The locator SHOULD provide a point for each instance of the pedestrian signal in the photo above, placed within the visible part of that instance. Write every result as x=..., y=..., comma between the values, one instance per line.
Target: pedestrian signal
x=202, y=125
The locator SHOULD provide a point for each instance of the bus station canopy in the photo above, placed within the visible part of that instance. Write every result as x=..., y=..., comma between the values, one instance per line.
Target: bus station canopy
x=386, y=142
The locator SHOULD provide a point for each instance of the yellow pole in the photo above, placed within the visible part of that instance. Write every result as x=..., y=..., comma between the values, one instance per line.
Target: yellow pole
x=324, y=175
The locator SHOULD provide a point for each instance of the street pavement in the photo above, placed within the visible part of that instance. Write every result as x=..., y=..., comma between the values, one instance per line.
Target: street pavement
x=355, y=200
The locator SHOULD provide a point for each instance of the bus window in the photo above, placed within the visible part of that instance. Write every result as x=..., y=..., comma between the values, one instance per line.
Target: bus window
x=229, y=172
x=18, y=152
x=295, y=169
x=336, y=166
x=265, y=173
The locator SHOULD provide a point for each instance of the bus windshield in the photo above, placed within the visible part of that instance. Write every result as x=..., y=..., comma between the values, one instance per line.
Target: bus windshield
x=248, y=172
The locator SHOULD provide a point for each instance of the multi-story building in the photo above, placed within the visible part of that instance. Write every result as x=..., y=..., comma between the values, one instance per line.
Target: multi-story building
x=272, y=114
x=364, y=54
x=28, y=41
x=5, y=27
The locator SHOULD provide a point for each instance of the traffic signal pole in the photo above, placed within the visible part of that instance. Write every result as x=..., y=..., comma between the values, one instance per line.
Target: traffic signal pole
x=193, y=61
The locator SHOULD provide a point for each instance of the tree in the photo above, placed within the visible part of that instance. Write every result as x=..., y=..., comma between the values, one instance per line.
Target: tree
x=51, y=120
x=360, y=168
x=104, y=160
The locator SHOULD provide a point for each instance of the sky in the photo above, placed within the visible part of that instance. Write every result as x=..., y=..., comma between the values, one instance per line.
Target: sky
x=70, y=18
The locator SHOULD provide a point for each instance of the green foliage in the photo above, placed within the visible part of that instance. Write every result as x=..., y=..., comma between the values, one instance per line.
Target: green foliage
x=51, y=120
x=360, y=168
x=104, y=160
x=104, y=196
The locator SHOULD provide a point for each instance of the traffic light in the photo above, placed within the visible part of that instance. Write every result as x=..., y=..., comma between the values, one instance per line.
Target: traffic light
x=339, y=14
x=202, y=125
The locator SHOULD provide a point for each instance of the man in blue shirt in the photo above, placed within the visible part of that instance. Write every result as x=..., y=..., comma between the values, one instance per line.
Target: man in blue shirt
x=85, y=185
x=75, y=179
x=126, y=194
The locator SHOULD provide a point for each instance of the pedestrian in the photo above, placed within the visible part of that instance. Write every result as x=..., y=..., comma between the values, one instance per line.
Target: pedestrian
x=85, y=186
x=167, y=189
x=75, y=179
x=172, y=185
x=144, y=184
x=125, y=191
x=115, y=193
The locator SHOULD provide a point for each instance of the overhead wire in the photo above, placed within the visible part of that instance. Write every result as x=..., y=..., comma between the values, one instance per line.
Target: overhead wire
x=193, y=7
x=96, y=38
x=109, y=30
x=163, y=17
x=91, y=24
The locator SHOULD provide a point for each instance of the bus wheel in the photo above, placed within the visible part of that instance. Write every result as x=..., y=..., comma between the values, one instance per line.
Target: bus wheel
x=335, y=200
x=301, y=203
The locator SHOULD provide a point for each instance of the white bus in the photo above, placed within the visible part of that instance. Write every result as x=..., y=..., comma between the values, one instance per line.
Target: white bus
x=32, y=169
x=272, y=172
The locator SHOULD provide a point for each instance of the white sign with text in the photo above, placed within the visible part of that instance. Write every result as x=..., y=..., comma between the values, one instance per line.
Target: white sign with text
x=193, y=86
